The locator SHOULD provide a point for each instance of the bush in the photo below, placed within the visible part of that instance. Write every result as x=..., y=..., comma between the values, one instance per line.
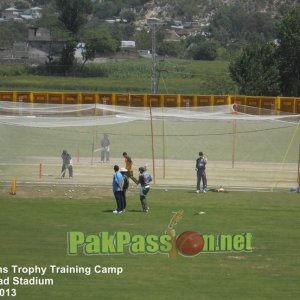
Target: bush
x=203, y=51
x=77, y=70
x=14, y=70
x=172, y=49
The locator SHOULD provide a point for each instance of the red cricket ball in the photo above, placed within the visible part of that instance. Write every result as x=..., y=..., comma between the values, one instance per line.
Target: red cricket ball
x=190, y=243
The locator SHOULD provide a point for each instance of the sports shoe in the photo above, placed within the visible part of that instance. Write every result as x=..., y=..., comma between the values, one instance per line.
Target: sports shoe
x=120, y=212
x=197, y=191
x=115, y=212
x=204, y=191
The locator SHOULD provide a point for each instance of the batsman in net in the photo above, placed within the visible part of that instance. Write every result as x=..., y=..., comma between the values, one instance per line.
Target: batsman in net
x=67, y=163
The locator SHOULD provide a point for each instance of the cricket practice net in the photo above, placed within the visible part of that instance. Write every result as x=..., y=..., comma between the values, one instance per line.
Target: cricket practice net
x=246, y=147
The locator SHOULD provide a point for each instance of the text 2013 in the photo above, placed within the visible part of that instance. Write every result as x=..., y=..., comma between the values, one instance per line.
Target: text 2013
x=8, y=292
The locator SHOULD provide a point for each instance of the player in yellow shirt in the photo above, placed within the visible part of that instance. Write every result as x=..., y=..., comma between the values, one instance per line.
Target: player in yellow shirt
x=129, y=167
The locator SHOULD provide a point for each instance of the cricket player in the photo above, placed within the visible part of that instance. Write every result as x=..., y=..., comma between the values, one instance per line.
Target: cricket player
x=129, y=167
x=105, y=150
x=201, y=162
x=144, y=181
x=124, y=171
x=117, y=187
x=67, y=164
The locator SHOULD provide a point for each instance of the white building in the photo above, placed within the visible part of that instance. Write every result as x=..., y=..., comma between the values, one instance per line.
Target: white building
x=10, y=13
x=32, y=13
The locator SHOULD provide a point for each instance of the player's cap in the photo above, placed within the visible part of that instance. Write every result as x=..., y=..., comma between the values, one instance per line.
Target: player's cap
x=141, y=169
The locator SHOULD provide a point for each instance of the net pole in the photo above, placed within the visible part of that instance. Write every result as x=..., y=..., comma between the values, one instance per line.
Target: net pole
x=233, y=142
x=93, y=149
x=40, y=171
x=298, y=179
x=94, y=135
x=164, y=145
x=152, y=143
x=234, y=126
x=163, y=135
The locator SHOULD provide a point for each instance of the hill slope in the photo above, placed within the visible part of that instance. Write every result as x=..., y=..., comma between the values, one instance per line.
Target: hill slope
x=201, y=9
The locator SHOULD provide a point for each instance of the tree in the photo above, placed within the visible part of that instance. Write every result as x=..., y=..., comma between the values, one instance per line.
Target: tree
x=236, y=25
x=199, y=47
x=12, y=31
x=106, y=9
x=256, y=70
x=99, y=42
x=173, y=49
x=128, y=15
x=206, y=50
x=21, y=5
x=288, y=32
x=186, y=9
x=143, y=40
x=72, y=15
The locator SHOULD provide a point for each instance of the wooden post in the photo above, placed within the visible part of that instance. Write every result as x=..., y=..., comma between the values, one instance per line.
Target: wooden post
x=152, y=142
x=40, y=171
x=299, y=170
x=233, y=137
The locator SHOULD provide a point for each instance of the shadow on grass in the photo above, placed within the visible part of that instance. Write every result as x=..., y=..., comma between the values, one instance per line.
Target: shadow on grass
x=131, y=210
x=108, y=210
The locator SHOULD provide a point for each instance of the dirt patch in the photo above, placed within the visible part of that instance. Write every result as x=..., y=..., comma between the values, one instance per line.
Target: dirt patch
x=173, y=173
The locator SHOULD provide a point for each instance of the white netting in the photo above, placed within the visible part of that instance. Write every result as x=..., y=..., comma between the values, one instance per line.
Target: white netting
x=52, y=115
x=245, y=146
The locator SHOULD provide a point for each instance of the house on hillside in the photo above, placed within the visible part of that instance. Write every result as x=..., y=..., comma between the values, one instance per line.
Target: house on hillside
x=20, y=50
x=43, y=45
x=39, y=34
x=36, y=12
x=10, y=13
x=32, y=13
x=128, y=48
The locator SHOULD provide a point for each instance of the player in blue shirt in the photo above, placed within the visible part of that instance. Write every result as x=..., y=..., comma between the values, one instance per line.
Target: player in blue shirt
x=201, y=175
x=117, y=186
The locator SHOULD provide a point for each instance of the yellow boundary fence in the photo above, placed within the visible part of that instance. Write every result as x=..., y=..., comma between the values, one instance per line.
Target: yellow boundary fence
x=287, y=104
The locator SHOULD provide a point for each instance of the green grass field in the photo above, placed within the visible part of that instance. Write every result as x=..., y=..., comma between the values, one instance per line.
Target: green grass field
x=35, y=222
x=34, y=228
x=129, y=76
